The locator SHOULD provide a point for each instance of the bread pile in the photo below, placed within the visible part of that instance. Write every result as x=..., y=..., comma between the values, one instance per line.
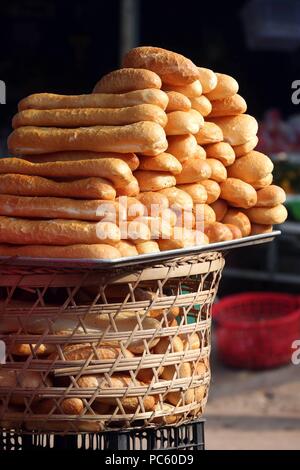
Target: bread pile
x=170, y=137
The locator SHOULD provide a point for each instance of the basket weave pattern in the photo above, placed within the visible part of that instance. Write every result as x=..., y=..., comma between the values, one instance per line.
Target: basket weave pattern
x=91, y=349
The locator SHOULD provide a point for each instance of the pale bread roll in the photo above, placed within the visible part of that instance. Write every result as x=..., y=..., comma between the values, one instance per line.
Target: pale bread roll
x=182, y=146
x=236, y=231
x=98, y=100
x=220, y=207
x=178, y=102
x=263, y=182
x=194, y=170
x=210, y=133
x=124, y=80
x=199, y=153
x=208, y=79
x=191, y=90
x=242, y=149
x=202, y=105
x=221, y=151
x=84, y=117
x=183, y=122
x=154, y=180
x=218, y=170
x=267, y=215
x=270, y=196
x=204, y=214
x=143, y=137
x=251, y=167
x=213, y=190
x=226, y=86
x=57, y=232
x=72, y=251
x=162, y=162
x=238, y=129
x=178, y=199
x=196, y=190
x=257, y=229
x=150, y=246
x=217, y=232
x=85, y=188
x=228, y=106
x=238, y=218
x=238, y=193
x=173, y=68
x=126, y=248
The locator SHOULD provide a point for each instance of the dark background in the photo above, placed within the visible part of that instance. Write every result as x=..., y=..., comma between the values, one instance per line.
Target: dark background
x=64, y=47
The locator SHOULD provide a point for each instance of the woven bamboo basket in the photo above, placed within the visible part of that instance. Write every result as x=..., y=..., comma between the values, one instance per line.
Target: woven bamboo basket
x=94, y=349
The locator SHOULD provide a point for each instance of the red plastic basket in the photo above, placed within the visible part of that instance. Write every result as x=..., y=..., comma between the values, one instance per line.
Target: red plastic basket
x=256, y=330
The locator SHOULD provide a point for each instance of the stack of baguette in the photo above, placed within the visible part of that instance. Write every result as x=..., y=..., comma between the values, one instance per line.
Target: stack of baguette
x=170, y=137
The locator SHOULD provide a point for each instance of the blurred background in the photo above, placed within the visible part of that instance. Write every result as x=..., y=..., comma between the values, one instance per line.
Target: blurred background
x=65, y=47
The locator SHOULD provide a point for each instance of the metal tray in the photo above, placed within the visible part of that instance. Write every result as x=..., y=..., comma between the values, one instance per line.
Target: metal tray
x=153, y=258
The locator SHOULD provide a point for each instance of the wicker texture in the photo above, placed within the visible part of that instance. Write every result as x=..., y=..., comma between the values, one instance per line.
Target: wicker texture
x=91, y=350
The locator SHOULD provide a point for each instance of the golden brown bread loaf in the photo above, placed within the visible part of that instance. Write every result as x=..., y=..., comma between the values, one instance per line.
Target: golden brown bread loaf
x=180, y=238
x=226, y=86
x=144, y=137
x=218, y=170
x=204, y=213
x=191, y=90
x=85, y=188
x=56, y=232
x=98, y=100
x=193, y=171
x=154, y=180
x=228, y=106
x=270, y=196
x=22, y=380
x=158, y=228
x=201, y=104
x=150, y=246
x=162, y=162
x=72, y=251
x=178, y=102
x=208, y=79
x=167, y=345
x=238, y=193
x=196, y=190
x=238, y=218
x=130, y=158
x=113, y=169
x=267, y=215
x=221, y=151
x=212, y=189
x=242, y=149
x=183, y=122
x=129, y=79
x=238, y=129
x=251, y=167
x=182, y=146
x=68, y=406
x=209, y=134
x=220, y=207
x=173, y=68
x=217, y=232
x=126, y=248
x=257, y=229
x=263, y=182
x=178, y=199
x=199, y=153
x=151, y=199
x=236, y=231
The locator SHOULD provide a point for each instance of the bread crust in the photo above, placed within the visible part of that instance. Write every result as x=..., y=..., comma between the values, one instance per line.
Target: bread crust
x=162, y=162
x=127, y=79
x=267, y=215
x=183, y=122
x=201, y=104
x=72, y=251
x=226, y=86
x=228, y=106
x=197, y=192
x=270, y=196
x=154, y=180
x=210, y=133
x=191, y=90
x=178, y=102
x=182, y=146
x=212, y=189
x=238, y=193
x=194, y=170
x=221, y=151
x=251, y=167
x=238, y=218
x=242, y=149
x=237, y=130
x=208, y=79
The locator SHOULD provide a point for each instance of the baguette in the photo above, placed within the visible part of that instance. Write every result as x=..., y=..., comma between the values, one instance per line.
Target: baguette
x=191, y=90
x=204, y=214
x=221, y=151
x=239, y=219
x=153, y=198
x=194, y=170
x=199, y=153
x=56, y=232
x=81, y=352
x=208, y=79
x=228, y=106
x=242, y=149
x=217, y=232
x=237, y=130
x=220, y=208
x=236, y=231
x=150, y=246
x=162, y=162
x=197, y=192
x=22, y=380
x=270, y=196
x=86, y=188
x=178, y=199
x=212, y=189
x=178, y=102
x=173, y=68
x=126, y=248
x=226, y=86
x=135, y=231
x=238, y=193
x=201, y=104
x=267, y=215
x=218, y=170
x=144, y=137
x=251, y=167
x=182, y=146
x=72, y=251
x=68, y=406
x=115, y=170
x=210, y=133
x=99, y=100
x=130, y=158
x=159, y=228
x=256, y=229
x=263, y=182
x=124, y=80
x=183, y=122
x=154, y=180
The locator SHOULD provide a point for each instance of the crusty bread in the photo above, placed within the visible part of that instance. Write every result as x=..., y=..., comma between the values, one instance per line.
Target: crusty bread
x=144, y=137
x=182, y=146
x=191, y=90
x=153, y=200
x=218, y=170
x=204, y=214
x=183, y=122
x=228, y=106
x=217, y=232
x=72, y=251
x=238, y=129
x=212, y=189
x=150, y=246
x=178, y=199
x=263, y=182
x=226, y=86
x=201, y=104
x=162, y=162
x=193, y=171
x=178, y=102
x=197, y=192
x=238, y=218
x=208, y=79
x=173, y=68
x=236, y=231
x=221, y=151
x=270, y=196
x=251, y=167
x=22, y=380
x=85, y=188
x=257, y=229
x=98, y=100
x=126, y=248
x=154, y=180
x=220, y=208
x=238, y=193
x=267, y=215
x=209, y=134
x=242, y=149
x=129, y=79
